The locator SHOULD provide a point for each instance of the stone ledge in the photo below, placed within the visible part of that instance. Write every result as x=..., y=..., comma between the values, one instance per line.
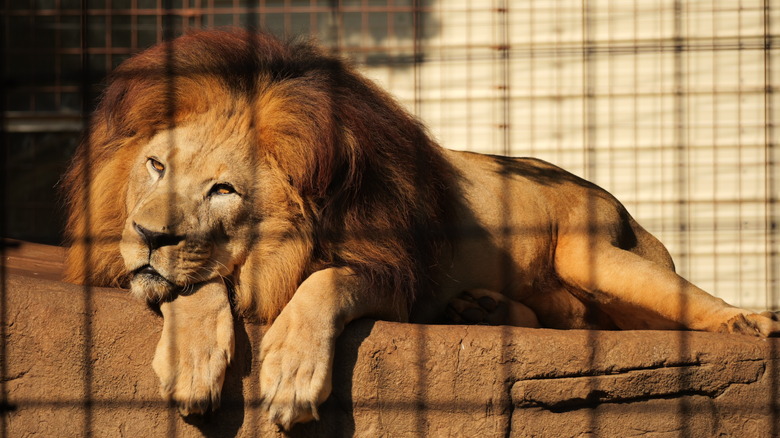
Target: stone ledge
x=79, y=360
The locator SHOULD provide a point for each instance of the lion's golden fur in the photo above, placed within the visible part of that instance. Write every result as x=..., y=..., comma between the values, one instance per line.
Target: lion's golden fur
x=233, y=161
x=376, y=189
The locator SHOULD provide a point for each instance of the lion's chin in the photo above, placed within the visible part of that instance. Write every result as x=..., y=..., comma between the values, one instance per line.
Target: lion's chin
x=146, y=283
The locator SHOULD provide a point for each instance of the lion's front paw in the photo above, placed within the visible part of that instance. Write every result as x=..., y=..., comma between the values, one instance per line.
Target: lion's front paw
x=192, y=376
x=295, y=375
x=194, y=352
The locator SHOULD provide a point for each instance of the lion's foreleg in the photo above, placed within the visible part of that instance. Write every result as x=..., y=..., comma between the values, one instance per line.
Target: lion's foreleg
x=195, y=348
x=297, y=350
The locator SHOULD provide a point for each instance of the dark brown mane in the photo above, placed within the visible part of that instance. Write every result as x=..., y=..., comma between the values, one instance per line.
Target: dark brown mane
x=379, y=183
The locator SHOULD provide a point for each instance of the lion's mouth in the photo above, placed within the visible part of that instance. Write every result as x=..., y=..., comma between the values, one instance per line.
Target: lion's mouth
x=150, y=273
x=146, y=282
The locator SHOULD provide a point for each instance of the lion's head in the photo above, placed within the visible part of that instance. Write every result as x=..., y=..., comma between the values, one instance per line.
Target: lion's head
x=236, y=155
x=196, y=196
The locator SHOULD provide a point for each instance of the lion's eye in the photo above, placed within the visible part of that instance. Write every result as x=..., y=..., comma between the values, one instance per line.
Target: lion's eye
x=222, y=189
x=154, y=165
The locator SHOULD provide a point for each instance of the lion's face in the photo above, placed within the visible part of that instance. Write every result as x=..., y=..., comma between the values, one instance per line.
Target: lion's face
x=193, y=205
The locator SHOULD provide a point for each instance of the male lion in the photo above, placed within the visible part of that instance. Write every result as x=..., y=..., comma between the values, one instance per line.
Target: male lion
x=229, y=169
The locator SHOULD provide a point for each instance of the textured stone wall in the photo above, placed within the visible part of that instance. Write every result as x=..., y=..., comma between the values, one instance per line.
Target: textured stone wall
x=78, y=362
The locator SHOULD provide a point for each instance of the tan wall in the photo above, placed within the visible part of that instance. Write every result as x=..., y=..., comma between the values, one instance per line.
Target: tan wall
x=78, y=363
x=683, y=138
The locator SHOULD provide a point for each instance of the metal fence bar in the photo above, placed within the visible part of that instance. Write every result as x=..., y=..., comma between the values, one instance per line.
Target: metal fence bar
x=24, y=108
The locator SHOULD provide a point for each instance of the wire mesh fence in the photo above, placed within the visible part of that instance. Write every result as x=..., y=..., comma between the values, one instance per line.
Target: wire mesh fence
x=667, y=104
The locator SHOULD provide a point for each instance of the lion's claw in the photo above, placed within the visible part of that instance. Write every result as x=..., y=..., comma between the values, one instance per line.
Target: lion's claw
x=286, y=416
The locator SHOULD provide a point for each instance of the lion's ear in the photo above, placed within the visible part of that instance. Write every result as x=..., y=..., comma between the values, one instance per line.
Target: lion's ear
x=295, y=125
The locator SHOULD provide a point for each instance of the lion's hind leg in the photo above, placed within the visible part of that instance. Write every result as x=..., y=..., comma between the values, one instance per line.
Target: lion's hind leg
x=482, y=306
x=638, y=293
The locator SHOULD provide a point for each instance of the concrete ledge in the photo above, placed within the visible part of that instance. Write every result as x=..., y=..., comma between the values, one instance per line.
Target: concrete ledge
x=78, y=361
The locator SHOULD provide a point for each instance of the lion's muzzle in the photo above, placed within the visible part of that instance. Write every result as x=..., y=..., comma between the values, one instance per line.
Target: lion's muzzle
x=162, y=258
x=150, y=254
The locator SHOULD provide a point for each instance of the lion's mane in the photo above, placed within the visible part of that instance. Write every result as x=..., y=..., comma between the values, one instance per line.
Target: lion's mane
x=379, y=183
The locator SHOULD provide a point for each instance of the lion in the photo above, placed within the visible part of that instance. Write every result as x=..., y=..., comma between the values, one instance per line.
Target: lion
x=230, y=172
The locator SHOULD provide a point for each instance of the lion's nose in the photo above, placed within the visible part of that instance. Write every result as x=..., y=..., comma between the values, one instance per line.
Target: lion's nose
x=156, y=239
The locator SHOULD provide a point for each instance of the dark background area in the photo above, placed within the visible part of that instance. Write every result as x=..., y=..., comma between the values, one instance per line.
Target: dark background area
x=56, y=53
